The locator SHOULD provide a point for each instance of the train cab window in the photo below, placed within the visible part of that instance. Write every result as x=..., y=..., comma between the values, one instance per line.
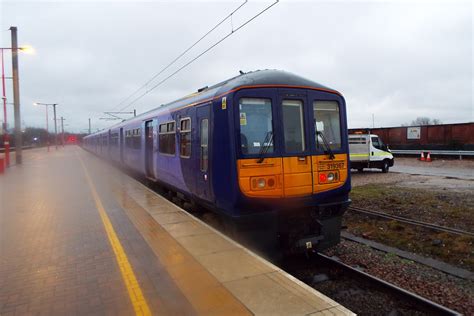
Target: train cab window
x=255, y=125
x=327, y=122
x=204, y=135
x=185, y=138
x=293, y=125
x=167, y=138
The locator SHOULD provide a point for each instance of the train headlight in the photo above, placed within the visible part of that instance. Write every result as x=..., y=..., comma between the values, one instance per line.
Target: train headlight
x=261, y=183
x=330, y=176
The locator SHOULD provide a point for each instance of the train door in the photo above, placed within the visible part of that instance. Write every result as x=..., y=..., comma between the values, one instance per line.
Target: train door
x=296, y=161
x=149, y=165
x=187, y=140
x=328, y=128
x=121, y=145
x=203, y=132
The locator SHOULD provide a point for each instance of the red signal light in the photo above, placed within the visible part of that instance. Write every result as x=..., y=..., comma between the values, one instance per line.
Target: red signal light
x=323, y=177
x=271, y=182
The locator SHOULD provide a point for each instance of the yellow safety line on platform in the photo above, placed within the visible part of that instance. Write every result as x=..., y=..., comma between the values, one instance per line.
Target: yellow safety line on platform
x=134, y=291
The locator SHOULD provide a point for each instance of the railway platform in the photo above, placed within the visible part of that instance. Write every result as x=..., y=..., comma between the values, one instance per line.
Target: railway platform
x=79, y=237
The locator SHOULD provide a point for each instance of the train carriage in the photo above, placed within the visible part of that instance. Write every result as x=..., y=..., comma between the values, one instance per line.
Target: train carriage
x=267, y=150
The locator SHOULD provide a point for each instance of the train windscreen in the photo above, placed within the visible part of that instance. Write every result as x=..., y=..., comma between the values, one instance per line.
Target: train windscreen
x=293, y=125
x=327, y=121
x=255, y=125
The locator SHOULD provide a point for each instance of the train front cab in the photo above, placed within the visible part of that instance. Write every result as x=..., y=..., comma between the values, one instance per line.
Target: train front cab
x=292, y=164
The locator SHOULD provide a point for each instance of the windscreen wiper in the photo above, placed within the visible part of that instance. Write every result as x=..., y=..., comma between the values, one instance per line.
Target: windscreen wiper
x=326, y=144
x=266, y=144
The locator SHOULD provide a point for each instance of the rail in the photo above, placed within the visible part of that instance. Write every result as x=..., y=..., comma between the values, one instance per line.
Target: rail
x=426, y=304
x=411, y=221
x=418, y=152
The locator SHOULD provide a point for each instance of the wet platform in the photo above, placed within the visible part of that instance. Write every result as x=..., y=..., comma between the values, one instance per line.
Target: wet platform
x=79, y=237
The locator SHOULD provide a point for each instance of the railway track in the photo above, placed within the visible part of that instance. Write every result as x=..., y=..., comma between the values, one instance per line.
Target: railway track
x=411, y=221
x=419, y=302
x=430, y=262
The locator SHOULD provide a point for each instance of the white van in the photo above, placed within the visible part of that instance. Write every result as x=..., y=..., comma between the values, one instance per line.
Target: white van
x=368, y=151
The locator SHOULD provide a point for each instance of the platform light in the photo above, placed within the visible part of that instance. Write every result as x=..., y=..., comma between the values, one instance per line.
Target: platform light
x=27, y=49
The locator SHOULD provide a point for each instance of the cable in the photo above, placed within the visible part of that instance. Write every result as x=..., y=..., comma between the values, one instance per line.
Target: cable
x=198, y=56
x=182, y=54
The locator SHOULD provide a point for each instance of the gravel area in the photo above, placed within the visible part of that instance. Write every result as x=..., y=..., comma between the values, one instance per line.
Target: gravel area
x=452, y=292
x=450, y=208
x=434, y=199
x=457, y=250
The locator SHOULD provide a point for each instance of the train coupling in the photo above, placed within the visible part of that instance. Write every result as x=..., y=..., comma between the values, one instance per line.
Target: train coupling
x=309, y=243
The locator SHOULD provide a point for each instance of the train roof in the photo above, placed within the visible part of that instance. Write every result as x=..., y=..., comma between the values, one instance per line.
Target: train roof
x=267, y=77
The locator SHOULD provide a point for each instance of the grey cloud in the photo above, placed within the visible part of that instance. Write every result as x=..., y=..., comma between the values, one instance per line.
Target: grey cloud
x=398, y=60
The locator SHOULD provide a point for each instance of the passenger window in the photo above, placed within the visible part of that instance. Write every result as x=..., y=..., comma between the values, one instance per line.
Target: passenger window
x=185, y=138
x=137, y=144
x=255, y=117
x=114, y=139
x=327, y=122
x=128, y=139
x=293, y=125
x=204, y=144
x=167, y=138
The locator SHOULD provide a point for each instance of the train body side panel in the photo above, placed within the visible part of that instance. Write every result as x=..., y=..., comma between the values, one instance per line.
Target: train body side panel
x=168, y=166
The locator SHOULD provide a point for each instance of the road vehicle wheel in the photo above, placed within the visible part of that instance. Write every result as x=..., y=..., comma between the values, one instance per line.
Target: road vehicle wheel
x=385, y=166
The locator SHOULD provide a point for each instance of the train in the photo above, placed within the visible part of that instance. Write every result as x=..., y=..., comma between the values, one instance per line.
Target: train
x=267, y=151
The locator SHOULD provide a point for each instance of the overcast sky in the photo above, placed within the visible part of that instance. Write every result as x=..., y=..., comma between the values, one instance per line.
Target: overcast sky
x=395, y=59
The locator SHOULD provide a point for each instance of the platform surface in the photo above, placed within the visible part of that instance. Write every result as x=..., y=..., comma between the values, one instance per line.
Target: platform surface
x=79, y=237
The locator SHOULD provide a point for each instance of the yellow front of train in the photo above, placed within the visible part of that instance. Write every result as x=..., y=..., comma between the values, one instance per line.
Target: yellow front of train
x=293, y=161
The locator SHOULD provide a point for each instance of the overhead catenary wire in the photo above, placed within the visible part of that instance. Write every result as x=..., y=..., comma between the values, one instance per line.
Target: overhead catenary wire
x=182, y=54
x=200, y=55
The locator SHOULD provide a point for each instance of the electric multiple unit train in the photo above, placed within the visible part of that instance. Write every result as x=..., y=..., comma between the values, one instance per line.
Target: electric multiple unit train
x=267, y=150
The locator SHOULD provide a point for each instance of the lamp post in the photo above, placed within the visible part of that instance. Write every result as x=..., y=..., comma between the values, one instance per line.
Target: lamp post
x=62, y=131
x=16, y=98
x=47, y=123
x=55, y=127
x=6, y=136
